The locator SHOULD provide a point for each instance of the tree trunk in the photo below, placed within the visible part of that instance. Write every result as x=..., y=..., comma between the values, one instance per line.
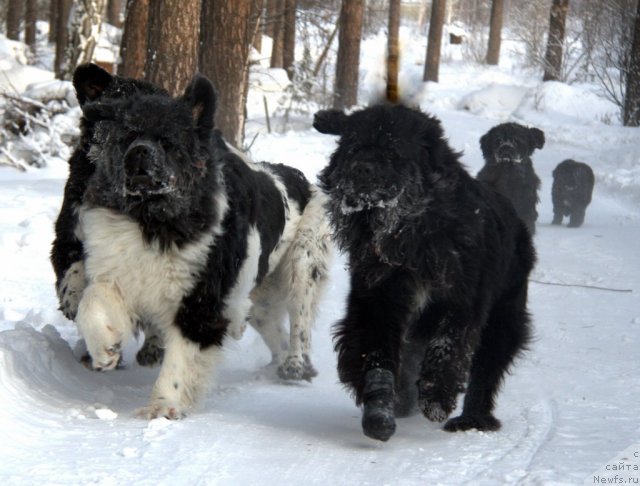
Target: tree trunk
x=631, y=114
x=30, y=17
x=257, y=22
x=114, y=8
x=172, y=43
x=436, y=25
x=226, y=39
x=133, y=48
x=271, y=6
x=278, y=34
x=84, y=29
x=54, y=6
x=495, y=32
x=555, y=41
x=62, y=35
x=289, y=36
x=393, y=51
x=14, y=17
x=348, y=62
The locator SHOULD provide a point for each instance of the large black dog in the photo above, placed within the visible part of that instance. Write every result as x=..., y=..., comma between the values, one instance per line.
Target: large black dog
x=167, y=228
x=571, y=191
x=439, y=265
x=507, y=150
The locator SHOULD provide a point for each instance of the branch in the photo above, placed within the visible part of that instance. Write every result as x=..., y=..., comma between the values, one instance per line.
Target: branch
x=593, y=287
x=13, y=162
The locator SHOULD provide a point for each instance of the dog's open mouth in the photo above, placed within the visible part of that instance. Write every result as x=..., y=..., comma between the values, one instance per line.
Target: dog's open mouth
x=353, y=203
x=146, y=185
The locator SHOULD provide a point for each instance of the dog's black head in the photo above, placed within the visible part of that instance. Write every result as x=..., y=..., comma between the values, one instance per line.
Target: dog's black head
x=153, y=155
x=573, y=177
x=385, y=155
x=391, y=161
x=510, y=143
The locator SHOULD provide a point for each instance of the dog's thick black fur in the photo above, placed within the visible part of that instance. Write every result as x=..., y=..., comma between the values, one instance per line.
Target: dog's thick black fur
x=162, y=225
x=507, y=150
x=571, y=191
x=439, y=265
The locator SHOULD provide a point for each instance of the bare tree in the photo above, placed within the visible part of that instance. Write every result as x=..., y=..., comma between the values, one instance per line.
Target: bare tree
x=434, y=42
x=226, y=39
x=84, y=29
x=348, y=62
x=14, y=17
x=133, y=47
x=289, y=36
x=495, y=32
x=393, y=51
x=631, y=114
x=114, y=8
x=172, y=43
x=555, y=40
x=62, y=35
x=30, y=17
x=277, y=46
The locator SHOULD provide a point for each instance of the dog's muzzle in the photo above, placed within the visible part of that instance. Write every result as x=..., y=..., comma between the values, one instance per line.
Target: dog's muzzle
x=506, y=153
x=145, y=171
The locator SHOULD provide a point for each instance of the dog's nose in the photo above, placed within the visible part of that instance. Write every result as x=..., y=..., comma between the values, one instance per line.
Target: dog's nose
x=137, y=160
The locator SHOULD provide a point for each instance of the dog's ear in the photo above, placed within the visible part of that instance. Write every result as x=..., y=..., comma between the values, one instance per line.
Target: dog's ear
x=331, y=122
x=537, y=138
x=90, y=81
x=485, y=145
x=200, y=95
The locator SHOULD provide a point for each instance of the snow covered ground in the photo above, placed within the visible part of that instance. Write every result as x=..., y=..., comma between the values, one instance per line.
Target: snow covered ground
x=570, y=406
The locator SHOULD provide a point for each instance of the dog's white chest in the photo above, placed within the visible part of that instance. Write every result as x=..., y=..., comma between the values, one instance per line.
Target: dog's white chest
x=149, y=280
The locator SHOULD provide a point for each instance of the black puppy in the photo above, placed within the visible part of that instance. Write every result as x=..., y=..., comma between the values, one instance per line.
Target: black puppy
x=507, y=150
x=439, y=265
x=571, y=191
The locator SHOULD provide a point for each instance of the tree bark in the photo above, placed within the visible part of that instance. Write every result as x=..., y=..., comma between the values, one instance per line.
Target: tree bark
x=278, y=34
x=30, y=17
x=226, y=39
x=271, y=6
x=114, y=7
x=393, y=51
x=631, y=115
x=14, y=17
x=257, y=22
x=289, y=36
x=495, y=32
x=172, y=43
x=54, y=6
x=133, y=48
x=62, y=35
x=348, y=61
x=555, y=41
x=434, y=42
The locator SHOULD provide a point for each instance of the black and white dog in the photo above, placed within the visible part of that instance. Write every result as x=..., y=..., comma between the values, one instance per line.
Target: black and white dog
x=571, y=191
x=174, y=232
x=439, y=265
x=507, y=150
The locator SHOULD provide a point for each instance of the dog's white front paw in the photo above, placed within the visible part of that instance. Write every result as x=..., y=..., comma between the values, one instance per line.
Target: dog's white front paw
x=160, y=408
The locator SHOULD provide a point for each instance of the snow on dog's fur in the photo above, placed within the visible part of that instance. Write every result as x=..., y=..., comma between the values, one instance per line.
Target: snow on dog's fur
x=439, y=265
x=182, y=237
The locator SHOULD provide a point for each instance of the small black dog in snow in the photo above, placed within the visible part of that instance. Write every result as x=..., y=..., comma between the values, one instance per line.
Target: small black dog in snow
x=180, y=234
x=439, y=264
x=507, y=150
x=571, y=191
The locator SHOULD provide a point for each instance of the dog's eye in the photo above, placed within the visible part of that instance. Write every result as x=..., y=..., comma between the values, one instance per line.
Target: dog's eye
x=129, y=138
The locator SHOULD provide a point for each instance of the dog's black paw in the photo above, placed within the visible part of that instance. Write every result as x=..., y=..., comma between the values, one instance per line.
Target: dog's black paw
x=468, y=422
x=378, y=417
x=436, y=403
x=150, y=354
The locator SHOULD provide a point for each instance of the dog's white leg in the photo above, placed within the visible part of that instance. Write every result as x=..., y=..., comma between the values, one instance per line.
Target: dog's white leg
x=308, y=268
x=183, y=378
x=104, y=323
x=267, y=316
x=70, y=289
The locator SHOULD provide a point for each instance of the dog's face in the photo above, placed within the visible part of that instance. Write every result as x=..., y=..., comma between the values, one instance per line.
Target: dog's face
x=151, y=152
x=384, y=160
x=573, y=179
x=510, y=143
